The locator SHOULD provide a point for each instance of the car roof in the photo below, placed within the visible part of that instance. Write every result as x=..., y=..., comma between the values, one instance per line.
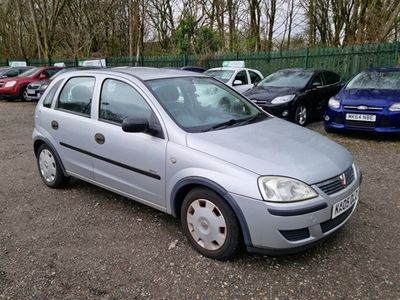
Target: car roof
x=384, y=69
x=146, y=73
x=229, y=69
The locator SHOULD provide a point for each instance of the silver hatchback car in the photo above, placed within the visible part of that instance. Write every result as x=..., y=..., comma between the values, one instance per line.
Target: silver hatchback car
x=188, y=145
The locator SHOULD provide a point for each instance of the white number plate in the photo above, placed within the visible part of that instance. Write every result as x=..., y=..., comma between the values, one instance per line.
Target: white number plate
x=30, y=92
x=345, y=204
x=361, y=117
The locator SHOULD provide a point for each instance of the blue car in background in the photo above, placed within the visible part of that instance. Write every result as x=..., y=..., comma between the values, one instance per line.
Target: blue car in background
x=370, y=102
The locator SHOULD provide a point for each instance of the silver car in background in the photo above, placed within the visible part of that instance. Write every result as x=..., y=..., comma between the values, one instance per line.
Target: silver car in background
x=190, y=146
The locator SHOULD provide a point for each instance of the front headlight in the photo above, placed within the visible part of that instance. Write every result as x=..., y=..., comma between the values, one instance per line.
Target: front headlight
x=10, y=83
x=283, y=99
x=334, y=103
x=395, y=107
x=44, y=86
x=284, y=189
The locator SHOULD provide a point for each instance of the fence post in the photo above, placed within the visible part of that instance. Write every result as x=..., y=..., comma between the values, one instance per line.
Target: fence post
x=306, y=58
x=76, y=61
x=396, y=53
x=8, y=62
x=237, y=55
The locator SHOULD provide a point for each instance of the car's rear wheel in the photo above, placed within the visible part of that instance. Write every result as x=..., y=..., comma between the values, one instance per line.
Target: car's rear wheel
x=301, y=114
x=49, y=168
x=210, y=224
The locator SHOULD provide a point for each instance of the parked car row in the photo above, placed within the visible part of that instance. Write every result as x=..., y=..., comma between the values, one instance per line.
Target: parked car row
x=369, y=102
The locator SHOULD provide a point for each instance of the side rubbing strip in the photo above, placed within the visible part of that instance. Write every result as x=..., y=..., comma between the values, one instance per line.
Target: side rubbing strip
x=145, y=173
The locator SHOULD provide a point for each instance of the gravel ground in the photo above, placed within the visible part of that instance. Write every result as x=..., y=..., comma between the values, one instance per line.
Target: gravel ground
x=84, y=242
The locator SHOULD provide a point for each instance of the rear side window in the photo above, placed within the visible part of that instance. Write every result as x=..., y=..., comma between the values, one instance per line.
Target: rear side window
x=119, y=100
x=50, y=95
x=76, y=95
x=254, y=77
x=331, y=78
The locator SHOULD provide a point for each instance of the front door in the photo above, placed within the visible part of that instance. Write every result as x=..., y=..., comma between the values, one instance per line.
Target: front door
x=131, y=163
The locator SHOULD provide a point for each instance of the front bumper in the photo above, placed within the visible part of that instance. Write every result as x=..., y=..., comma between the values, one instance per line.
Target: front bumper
x=8, y=93
x=277, y=228
x=386, y=121
x=34, y=95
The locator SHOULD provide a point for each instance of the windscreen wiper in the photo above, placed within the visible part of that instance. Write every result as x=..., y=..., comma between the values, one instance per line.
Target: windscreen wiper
x=255, y=118
x=222, y=125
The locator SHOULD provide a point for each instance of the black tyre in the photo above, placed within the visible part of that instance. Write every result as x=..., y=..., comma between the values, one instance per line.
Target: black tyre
x=49, y=168
x=210, y=224
x=23, y=95
x=301, y=114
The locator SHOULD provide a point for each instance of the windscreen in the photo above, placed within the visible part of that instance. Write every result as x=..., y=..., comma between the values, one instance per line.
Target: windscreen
x=376, y=80
x=203, y=104
x=287, y=78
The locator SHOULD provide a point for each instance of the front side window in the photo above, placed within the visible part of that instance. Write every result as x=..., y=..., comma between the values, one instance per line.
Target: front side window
x=254, y=77
x=331, y=78
x=241, y=76
x=76, y=95
x=317, y=80
x=119, y=100
x=203, y=104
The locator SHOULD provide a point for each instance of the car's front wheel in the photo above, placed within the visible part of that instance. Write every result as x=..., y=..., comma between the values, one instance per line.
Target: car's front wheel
x=49, y=168
x=23, y=95
x=301, y=114
x=210, y=224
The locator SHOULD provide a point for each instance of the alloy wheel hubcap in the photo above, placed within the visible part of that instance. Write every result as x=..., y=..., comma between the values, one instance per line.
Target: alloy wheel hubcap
x=206, y=224
x=302, y=115
x=47, y=165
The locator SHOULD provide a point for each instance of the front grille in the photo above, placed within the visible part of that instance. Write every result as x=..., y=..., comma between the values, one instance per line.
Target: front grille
x=334, y=185
x=332, y=223
x=259, y=102
x=375, y=108
x=34, y=86
x=360, y=124
x=296, y=234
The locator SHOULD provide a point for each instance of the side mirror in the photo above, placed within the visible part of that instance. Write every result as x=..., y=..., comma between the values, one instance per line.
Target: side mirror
x=135, y=124
x=316, y=85
x=237, y=82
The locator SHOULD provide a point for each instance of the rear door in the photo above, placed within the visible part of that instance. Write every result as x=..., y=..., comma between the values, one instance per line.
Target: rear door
x=130, y=163
x=69, y=125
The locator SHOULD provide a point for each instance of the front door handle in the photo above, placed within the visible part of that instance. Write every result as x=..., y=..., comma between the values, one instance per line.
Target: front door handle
x=54, y=125
x=99, y=138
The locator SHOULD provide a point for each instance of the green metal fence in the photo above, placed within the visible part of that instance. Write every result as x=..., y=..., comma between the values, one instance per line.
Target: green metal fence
x=347, y=61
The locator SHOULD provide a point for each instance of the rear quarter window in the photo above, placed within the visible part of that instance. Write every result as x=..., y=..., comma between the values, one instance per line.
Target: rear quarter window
x=50, y=95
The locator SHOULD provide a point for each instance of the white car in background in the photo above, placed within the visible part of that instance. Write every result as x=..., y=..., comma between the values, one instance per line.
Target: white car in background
x=241, y=79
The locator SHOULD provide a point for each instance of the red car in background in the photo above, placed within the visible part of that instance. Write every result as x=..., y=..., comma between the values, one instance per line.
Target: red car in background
x=15, y=88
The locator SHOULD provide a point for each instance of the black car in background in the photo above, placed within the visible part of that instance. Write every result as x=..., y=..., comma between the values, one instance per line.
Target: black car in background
x=6, y=72
x=296, y=94
x=36, y=89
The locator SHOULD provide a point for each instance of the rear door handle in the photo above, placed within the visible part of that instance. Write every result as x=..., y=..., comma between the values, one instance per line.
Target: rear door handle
x=54, y=125
x=99, y=138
